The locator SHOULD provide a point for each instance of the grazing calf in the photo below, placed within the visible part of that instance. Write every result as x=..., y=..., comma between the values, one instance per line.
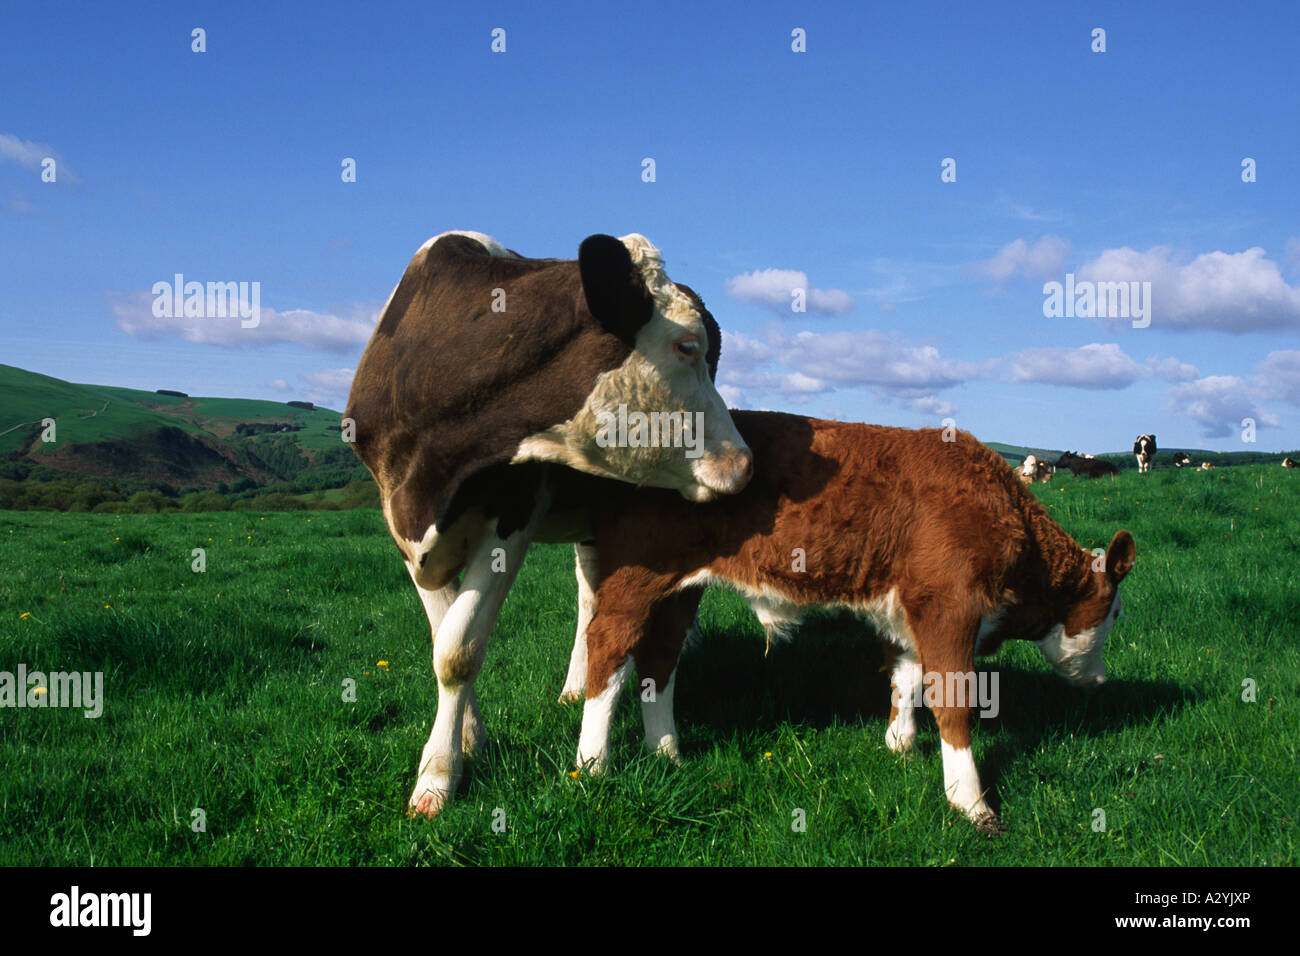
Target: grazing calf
x=933, y=541
x=1182, y=459
x=1144, y=448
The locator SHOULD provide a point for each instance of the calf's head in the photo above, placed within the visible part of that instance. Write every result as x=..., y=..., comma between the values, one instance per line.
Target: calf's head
x=657, y=419
x=1075, y=646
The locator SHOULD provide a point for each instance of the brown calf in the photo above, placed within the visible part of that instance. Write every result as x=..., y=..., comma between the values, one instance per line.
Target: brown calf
x=934, y=541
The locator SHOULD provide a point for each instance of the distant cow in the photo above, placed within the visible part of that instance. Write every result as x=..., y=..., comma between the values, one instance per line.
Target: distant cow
x=1288, y=463
x=943, y=551
x=1032, y=470
x=484, y=369
x=1144, y=448
x=1206, y=465
x=1085, y=465
x=1182, y=459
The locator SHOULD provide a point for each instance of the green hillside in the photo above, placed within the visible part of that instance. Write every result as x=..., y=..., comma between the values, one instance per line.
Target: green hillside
x=108, y=433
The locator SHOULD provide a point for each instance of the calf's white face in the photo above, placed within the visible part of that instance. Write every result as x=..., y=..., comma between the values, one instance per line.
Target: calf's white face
x=1079, y=657
x=656, y=420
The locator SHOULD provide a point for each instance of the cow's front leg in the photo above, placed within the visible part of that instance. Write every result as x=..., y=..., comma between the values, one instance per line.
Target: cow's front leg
x=459, y=646
x=905, y=682
x=954, y=701
x=575, y=682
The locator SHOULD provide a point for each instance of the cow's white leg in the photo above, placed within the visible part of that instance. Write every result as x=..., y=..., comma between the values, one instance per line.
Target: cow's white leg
x=575, y=682
x=906, y=680
x=597, y=714
x=961, y=782
x=436, y=603
x=458, y=650
x=657, y=718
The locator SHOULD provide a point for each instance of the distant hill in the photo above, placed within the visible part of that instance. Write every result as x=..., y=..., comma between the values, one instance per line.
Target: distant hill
x=151, y=439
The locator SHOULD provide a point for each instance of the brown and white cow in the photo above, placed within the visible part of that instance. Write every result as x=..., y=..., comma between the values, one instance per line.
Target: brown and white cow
x=933, y=541
x=1288, y=463
x=485, y=368
x=1032, y=470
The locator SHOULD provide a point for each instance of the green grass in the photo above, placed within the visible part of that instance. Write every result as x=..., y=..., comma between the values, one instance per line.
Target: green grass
x=224, y=692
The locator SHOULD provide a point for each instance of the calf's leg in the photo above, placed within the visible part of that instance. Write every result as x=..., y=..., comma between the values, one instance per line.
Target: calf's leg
x=656, y=662
x=947, y=644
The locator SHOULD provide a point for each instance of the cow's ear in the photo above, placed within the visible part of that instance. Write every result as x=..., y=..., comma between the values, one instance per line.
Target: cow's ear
x=1120, y=556
x=616, y=293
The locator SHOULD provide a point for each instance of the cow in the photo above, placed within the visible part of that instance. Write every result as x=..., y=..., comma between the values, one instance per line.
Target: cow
x=1032, y=470
x=1085, y=465
x=486, y=372
x=1288, y=463
x=1206, y=465
x=1144, y=448
x=1182, y=459
x=932, y=540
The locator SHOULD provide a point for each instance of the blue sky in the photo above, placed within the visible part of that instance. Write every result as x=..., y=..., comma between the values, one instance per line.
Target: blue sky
x=773, y=170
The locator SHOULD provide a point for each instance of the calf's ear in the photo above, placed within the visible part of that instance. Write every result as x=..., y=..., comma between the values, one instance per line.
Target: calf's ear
x=616, y=293
x=1120, y=556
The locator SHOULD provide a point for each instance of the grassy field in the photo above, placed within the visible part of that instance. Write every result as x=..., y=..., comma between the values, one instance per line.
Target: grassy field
x=223, y=692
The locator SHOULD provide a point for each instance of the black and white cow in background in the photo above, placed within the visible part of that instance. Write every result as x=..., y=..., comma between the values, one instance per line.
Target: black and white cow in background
x=1144, y=447
x=1085, y=465
x=1182, y=459
x=485, y=373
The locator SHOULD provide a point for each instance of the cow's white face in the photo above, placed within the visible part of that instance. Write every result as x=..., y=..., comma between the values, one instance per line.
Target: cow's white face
x=1079, y=657
x=642, y=422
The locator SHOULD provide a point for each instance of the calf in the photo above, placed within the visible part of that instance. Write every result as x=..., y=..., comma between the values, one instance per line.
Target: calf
x=935, y=542
x=1206, y=465
x=1288, y=463
x=1144, y=448
x=1182, y=459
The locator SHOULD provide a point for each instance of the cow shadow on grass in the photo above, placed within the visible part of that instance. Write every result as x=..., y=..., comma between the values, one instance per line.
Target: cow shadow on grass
x=833, y=671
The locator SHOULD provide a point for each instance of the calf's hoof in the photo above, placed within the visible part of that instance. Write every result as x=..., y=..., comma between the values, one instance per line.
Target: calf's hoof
x=429, y=798
x=899, y=743
x=571, y=695
x=990, y=824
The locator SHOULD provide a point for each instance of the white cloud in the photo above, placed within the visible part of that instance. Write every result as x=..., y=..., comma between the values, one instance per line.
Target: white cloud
x=1219, y=403
x=314, y=330
x=331, y=382
x=279, y=384
x=1094, y=366
x=1278, y=376
x=1228, y=292
x=800, y=366
x=774, y=289
x=1043, y=259
x=30, y=155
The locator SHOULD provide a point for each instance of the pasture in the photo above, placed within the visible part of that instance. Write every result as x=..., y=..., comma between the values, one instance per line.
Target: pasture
x=224, y=691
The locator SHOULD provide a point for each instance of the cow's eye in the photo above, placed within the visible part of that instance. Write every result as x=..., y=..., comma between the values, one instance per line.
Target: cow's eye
x=687, y=349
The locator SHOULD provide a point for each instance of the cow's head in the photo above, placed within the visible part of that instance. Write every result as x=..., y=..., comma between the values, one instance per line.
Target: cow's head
x=1074, y=646
x=656, y=419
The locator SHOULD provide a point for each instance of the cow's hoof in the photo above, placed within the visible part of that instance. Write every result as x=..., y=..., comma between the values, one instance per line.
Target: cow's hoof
x=427, y=800
x=570, y=696
x=899, y=743
x=990, y=824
